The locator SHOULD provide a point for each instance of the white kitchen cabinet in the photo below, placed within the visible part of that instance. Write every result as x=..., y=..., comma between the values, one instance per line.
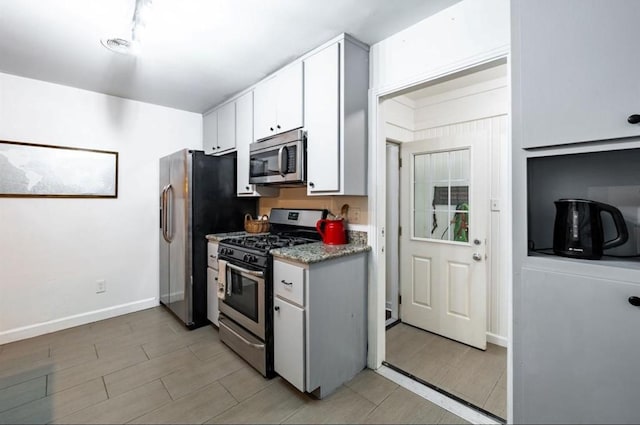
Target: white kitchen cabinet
x=210, y=132
x=579, y=356
x=219, y=130
x=244, y=138
x=212, y=282
x=574, y=80
x=335, y=115
x=575, y=71
x=288, y=342
x=278, y=102
x=212, y=295
x=320, y=323
x=227, y=127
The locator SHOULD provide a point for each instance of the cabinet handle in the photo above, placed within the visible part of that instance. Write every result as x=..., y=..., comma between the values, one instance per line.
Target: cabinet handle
x=286, y=283
x=633, y=119
x=276, y=308
x=246, y=187
x=278, y=126
x=634, y=301
x=312, y=185
x=271, y=128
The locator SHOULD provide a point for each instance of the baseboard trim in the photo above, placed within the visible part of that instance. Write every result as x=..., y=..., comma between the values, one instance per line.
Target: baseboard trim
x=497, y=339
x=37, y=329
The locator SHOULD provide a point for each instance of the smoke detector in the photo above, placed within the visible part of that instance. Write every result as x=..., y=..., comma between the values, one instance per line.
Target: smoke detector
x=118, y=45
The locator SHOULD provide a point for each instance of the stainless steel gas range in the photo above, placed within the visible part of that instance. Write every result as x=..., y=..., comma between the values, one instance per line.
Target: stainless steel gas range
x=245, y=284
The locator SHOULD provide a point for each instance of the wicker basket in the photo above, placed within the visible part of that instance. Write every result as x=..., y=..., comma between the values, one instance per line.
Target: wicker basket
x=260, y=225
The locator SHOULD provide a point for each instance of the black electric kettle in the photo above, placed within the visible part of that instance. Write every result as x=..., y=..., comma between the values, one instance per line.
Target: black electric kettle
x=578, y=231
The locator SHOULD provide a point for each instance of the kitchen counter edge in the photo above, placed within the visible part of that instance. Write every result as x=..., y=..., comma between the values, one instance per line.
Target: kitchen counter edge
x=317, y=252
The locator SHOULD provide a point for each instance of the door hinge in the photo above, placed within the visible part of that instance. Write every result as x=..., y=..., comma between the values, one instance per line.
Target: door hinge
x=399, y=162
x=399, y=299
x=399, y=230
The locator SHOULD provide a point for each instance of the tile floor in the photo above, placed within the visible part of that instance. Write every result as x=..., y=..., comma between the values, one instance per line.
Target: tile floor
x=145, y=367
x=477, y=376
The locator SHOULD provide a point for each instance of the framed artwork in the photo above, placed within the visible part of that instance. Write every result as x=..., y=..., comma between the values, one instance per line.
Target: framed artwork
x=34, y=170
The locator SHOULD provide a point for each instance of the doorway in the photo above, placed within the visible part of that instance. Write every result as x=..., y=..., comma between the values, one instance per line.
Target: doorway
x=450, y=331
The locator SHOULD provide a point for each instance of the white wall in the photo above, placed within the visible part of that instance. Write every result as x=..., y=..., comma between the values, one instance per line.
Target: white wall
x=464, y=33
x=52, y=251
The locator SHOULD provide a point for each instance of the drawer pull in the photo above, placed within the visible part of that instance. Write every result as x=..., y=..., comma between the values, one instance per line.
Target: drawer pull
x=276, y=308
x=633, y=119
x=635, y=301
x=286, y=283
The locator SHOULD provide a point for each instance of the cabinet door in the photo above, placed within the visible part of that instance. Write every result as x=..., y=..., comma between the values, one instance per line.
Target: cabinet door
x=212, y=295
x=264, y=109
x=289, y=86
x=210, y=132
x=577, y=341
x=244, y=137
x=578, y=71
x=322, y=108
x=289, y=342
x=227, y=127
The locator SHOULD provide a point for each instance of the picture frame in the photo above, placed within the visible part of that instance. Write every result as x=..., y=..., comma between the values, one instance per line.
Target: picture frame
x=29, y=170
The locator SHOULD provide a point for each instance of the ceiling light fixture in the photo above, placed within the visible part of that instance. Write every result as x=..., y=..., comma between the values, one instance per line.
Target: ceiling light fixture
x=138, y=25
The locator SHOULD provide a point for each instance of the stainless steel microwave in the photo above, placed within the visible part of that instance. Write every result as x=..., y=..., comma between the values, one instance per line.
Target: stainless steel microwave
x=279, y=159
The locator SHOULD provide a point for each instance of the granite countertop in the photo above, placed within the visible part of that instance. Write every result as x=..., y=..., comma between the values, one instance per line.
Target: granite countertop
x=318, y=251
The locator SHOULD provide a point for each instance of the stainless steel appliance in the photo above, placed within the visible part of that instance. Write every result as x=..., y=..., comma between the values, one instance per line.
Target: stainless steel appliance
x=245, y=286
x=279, y=159
x=578, y=230
x=197, y=197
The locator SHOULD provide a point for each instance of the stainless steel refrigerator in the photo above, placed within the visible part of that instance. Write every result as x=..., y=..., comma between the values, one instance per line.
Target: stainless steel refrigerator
x=197, y=197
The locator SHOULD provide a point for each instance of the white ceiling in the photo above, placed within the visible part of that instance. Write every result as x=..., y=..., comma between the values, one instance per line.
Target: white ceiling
x=195, y=53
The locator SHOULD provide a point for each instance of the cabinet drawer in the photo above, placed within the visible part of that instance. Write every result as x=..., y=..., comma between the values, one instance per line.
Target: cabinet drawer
x=212, y=255
x=288, y=281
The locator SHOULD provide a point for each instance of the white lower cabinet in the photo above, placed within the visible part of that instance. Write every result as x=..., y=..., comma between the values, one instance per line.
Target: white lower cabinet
x=288, y=337
x=212, y=282
x=212, y=295
x=320, y=323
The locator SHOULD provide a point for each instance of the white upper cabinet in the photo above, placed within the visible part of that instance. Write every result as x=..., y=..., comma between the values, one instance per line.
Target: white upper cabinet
x=210, y=132
x=575, y=71
x=227, y=127
x=335, y=114
x=322, y=107
x=244, y=137
x=219, y=130
x=278, y=103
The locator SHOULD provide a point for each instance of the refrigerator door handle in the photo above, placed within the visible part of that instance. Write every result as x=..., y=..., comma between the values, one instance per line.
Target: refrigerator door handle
x=169, y=215
x=164, y=213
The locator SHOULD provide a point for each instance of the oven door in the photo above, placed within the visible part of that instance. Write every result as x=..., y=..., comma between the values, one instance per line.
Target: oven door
x=277, y=164
x=242, y=296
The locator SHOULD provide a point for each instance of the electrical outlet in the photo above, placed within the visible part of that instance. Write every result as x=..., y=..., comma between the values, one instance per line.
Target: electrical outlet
x=101, y=286
x=355, y=215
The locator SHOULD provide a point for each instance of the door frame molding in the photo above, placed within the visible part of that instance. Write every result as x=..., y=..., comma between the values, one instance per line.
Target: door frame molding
x=377, y=208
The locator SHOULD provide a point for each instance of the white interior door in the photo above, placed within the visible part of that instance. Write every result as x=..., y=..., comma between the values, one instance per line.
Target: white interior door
x=445, y=222
x=393, y=223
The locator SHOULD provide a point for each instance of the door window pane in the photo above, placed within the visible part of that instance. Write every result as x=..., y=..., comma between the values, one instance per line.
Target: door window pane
x=441, y=195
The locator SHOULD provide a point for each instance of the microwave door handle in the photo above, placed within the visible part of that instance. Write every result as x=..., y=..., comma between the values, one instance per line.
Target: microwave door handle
x=280, y=152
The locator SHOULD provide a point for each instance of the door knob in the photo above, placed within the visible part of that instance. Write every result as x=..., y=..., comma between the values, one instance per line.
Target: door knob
x=276, y=308
x=635, y=301
x=476, y=256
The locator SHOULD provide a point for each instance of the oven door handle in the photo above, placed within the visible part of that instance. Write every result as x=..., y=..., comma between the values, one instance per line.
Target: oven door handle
x=243, y=270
